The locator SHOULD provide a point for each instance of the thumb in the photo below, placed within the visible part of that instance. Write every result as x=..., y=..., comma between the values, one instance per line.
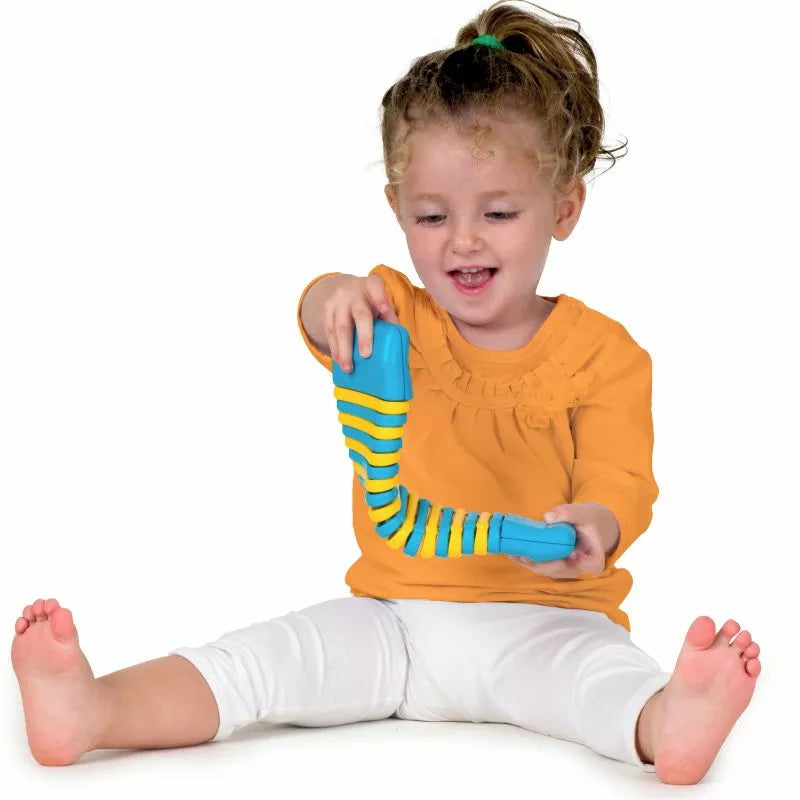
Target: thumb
x=554, y=515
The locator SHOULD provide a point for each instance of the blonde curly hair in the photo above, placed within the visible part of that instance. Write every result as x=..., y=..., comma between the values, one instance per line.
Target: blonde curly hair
x=546, y=73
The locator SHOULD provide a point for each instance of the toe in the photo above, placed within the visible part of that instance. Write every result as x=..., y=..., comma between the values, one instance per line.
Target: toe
x=753, y=667
x=751, y=651
x=728, y=631
x=28, y=614
x=50, y=606
x=38, y=610
x=62, y=625
x=21, y=625
x=741, y=642
x=701, y=633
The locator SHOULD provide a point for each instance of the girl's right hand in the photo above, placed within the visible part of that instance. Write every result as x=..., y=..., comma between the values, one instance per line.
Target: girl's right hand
x=355, y=303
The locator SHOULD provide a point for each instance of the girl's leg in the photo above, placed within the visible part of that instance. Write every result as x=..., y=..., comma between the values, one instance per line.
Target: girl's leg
x=336, y=662
x=567, y=673
x=165, y=702
x=579, y=677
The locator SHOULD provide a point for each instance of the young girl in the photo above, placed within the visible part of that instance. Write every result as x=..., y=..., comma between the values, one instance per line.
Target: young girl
x=524, y=404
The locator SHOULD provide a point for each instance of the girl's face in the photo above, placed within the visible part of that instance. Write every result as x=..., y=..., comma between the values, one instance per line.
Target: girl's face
x=464, y=210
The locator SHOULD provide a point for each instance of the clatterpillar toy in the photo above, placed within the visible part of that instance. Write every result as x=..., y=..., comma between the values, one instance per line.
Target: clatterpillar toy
x=373, y=402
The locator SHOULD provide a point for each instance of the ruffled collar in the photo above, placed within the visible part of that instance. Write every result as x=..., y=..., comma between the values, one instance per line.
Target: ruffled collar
x=539, y=377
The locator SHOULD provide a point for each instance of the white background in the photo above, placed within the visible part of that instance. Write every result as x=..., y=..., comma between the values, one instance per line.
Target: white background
x=171, y=468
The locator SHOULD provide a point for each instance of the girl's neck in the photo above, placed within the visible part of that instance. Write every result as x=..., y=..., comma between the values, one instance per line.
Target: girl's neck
x=508, y=337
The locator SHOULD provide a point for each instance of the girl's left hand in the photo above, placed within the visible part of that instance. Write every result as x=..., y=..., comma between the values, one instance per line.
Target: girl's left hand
x=597, y=533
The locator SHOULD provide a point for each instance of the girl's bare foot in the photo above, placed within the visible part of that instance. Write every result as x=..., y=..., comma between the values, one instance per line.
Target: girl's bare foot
x=60, y=698
x=710, y=687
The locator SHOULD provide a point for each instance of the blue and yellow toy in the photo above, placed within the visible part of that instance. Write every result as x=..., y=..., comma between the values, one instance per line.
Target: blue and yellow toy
x=373, y=401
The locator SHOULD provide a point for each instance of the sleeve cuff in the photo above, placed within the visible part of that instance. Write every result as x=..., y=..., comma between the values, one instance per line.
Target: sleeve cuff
x=325, y=360
x=630, y=527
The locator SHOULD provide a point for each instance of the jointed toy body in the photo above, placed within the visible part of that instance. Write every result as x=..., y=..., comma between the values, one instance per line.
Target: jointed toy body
x=373, y=401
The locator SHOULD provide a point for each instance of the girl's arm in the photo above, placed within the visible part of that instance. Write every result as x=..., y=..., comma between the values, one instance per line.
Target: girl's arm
x=613, y=433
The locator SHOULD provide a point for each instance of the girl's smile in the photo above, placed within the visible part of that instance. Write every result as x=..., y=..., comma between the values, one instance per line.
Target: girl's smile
x=473, y=281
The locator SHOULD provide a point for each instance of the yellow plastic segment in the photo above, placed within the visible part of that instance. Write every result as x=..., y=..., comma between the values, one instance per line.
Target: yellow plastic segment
x=428, y=547
x=368, y=401
x=376, y=459
x=381, y=484
x=482, y=534
x=376, y=484
x=384, y=512
x=375, y=431
x=399, y=538
x=456, y=533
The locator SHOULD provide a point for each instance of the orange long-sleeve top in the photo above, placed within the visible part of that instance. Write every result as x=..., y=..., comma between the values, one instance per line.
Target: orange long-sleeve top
x=566, y=418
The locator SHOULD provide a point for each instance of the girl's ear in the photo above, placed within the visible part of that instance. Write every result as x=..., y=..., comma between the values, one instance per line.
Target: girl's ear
x=390, y=196
x=569, y=204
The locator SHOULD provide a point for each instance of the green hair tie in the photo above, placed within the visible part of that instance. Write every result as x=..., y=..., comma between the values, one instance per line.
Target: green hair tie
x=489, y=41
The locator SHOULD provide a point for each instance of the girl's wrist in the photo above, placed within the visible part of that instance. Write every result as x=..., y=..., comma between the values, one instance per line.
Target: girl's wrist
x=612, y=535
x=607, y=527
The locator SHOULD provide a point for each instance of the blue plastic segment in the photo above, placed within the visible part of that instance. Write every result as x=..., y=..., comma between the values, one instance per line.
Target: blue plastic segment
x=385, y=372
x=468, y=537
x=443, y=532
x=375, y=417
x=380, y=499
x=390, y=526
x=376, y=445
x=374, y=473
x=495, y=526
x=415, y=540
x=536, y=540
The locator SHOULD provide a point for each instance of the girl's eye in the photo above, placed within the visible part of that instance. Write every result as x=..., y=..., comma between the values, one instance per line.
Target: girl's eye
x=496, y=215
x=504, y=214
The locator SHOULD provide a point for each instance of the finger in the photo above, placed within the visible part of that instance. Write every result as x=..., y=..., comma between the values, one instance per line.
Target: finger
x=330, y=335
x=533, y=566
x=362, y=315
x=585, y=563
x=584, y=550
x=328, y=311
x=561, y=569
x=554, y=569
x=343, y=335
x=550, y=569
x=379, y=299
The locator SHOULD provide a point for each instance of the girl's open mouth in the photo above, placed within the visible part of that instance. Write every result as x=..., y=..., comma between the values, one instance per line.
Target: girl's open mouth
x=472, y=281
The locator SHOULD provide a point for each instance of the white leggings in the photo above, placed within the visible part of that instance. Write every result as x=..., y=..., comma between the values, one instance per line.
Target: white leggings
x=568, y=673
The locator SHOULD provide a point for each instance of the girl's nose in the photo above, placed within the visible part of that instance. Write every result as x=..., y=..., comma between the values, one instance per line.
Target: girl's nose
x=466, y=240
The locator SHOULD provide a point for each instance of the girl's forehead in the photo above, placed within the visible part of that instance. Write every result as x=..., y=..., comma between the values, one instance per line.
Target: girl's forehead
x=500, y=155
x=510, y=134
